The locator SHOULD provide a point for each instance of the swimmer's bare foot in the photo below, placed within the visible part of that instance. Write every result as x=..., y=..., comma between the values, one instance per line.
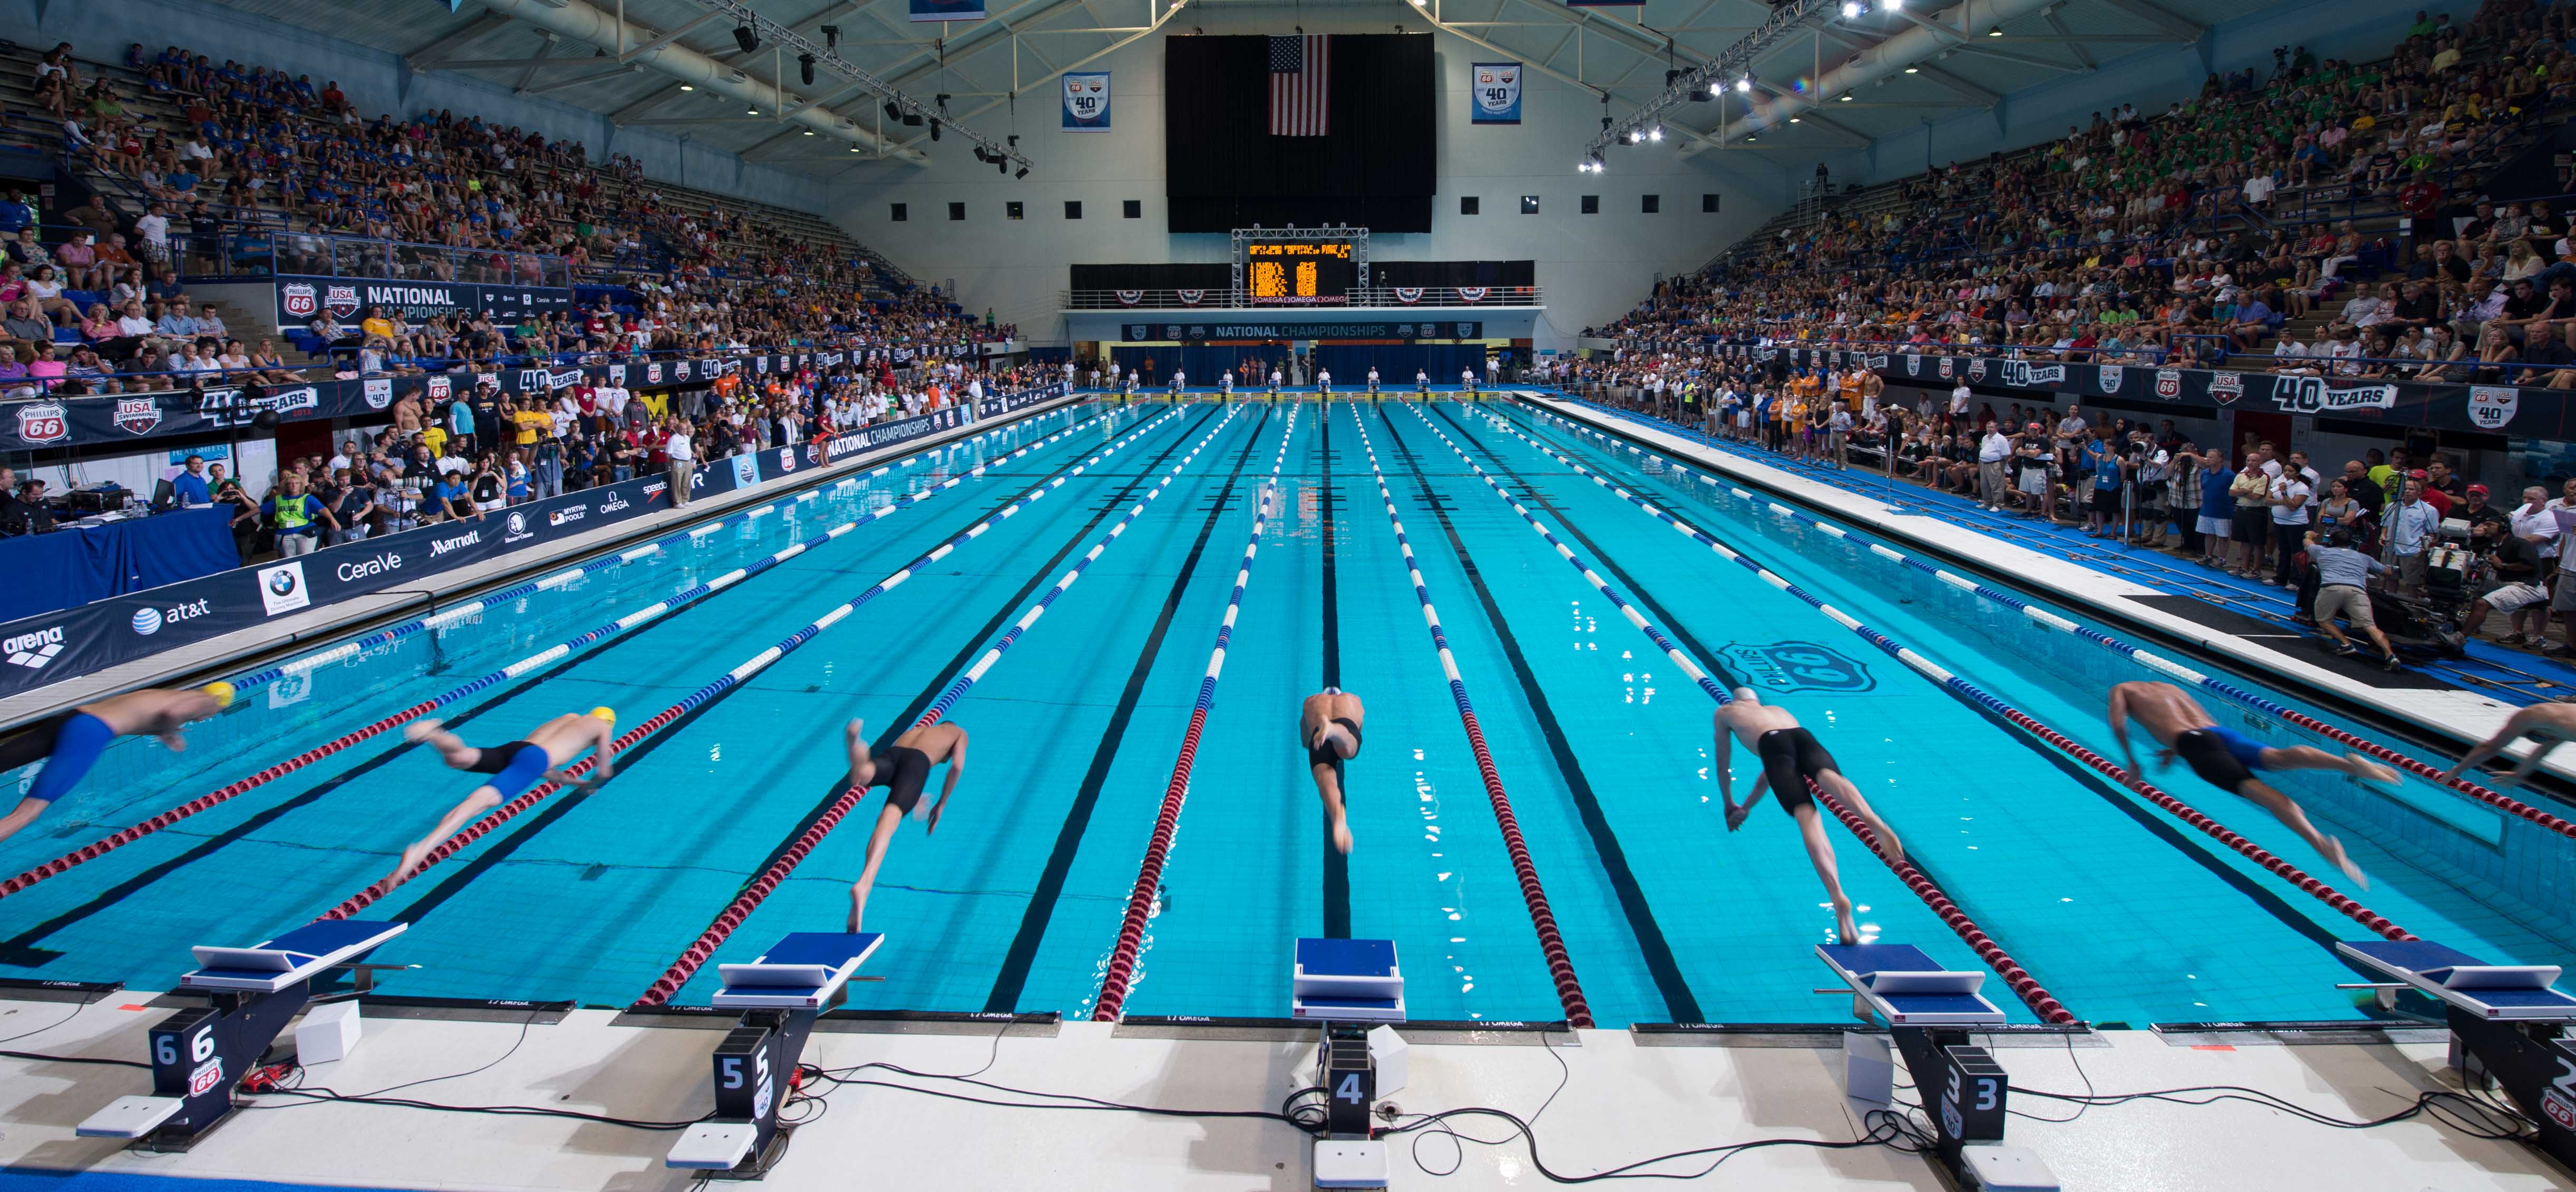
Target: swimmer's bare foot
x=1845, y=929
x=1341, y=836
x=411, y=862
x=419, y=730
x=2366, y=769
x=2334, y=852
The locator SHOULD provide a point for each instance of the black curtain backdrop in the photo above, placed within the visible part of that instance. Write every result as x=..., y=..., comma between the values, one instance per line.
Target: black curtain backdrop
x=1453, y=273
x=1224, y=170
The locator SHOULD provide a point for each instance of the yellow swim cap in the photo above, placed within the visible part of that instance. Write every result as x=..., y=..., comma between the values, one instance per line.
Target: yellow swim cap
x=607, y=714
x=223, y=693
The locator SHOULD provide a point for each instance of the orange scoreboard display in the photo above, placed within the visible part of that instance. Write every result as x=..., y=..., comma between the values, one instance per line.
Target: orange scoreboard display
x=1299, y=271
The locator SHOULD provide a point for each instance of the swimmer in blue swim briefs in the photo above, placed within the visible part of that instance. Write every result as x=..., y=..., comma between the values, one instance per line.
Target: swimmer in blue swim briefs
x=2227, y=759
x=514, y=768
x=70, y=742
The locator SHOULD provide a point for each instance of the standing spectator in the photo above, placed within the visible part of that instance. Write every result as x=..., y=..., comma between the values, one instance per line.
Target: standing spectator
x=681, y=462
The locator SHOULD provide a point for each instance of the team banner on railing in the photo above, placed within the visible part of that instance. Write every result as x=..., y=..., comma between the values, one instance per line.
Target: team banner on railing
x=1086, y=101
x=67, y=643
x=346, y=299
x=1496, y=96
x=85, y=421
x=1181, y=332
x=2494, y=409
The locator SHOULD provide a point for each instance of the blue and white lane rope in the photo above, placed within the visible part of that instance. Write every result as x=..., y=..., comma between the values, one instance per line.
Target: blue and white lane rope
x=1120, y=973
x=753, y=895
x=683, y=598
x=458, y=612
x=1969, y=693
x=2139, y=654
x=1560, y=966
x=748, y=668
x=2028, y=988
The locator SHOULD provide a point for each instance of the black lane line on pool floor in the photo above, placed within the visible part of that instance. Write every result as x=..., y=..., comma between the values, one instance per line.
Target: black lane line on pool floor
x=18, y=950
x=1014, y=974
x=501, y=850
x=1337, y=865
x=2156, y=824
x=1651, y=944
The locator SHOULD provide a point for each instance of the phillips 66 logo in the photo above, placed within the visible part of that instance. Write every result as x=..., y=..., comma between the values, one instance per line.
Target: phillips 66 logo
x=44, y=422
x=2169, y=383
x=299, y=299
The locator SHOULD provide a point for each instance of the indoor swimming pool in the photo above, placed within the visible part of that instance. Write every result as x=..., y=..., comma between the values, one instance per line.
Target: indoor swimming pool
x=882, y=597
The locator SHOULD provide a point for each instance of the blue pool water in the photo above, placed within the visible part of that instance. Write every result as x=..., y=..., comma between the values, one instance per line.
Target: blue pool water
x=1603, y=747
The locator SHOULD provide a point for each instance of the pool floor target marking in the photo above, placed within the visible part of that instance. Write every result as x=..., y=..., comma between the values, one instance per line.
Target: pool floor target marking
x=1569, y=991
x=1977, y=696
x=735, y=677
x=684, y=598
x=759, y=890
x=1118, y=976
x=2047, y=1007
x=2168, y=667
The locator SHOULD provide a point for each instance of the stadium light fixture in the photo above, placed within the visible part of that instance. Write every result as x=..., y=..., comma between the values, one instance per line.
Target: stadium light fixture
x=1023, y=173
x=1744, y=84
x=831, y=35
x=1792, y=120
x=687, y=87
x=1717, y=88
x=1656, y=133
x=744, y=37
x=805, y=68
x=934, y=130
x=1843, y=98
x=1913, y=69
x=1994, y=30
x=1852, y=10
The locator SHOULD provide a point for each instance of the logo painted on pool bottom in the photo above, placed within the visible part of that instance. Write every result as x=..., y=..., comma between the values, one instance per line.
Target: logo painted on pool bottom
x=1797, y=666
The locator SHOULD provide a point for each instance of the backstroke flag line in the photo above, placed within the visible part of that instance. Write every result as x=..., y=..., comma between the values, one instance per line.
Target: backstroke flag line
x=1496, y=96
x=1086, y=101
x=1300, y=85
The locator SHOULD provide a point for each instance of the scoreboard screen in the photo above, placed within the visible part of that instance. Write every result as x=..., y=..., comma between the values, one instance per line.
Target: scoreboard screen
x=1300, y=272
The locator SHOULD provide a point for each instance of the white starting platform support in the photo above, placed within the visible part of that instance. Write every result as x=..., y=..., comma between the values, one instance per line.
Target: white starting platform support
x=1928, y=1010
x=1348, y=985
x=2508, y=1025
x=201, y=1054
x=780, y=994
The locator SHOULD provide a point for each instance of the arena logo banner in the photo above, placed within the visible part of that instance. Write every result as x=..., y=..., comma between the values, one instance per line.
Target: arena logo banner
x=345, y=300
x=1086, y=101
x=947, y=10
x=1496, y=95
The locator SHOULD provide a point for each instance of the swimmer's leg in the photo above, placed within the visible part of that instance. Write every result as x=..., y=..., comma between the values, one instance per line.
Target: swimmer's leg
x=889, y=817
x=1328, y=784
x=2290, y=813
x=1820, y=852
x=483, y=799
x=2302, y=757
x=1844, y=792
x=21, y=816
x=451, y=748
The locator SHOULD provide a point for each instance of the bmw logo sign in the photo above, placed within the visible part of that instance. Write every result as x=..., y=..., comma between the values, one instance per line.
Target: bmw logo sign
x=147, y=621
x=281, y=582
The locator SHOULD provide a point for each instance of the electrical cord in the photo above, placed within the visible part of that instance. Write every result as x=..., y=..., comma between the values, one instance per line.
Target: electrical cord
x=77, y=1007
x=2442, y=1105
x=1882, y=1127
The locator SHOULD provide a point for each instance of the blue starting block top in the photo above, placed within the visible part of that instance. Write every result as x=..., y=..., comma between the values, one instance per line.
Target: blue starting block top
x=1347, y=980
x=804, y=970
x=298, y=955
x=1907, y=987
x=2498, y=991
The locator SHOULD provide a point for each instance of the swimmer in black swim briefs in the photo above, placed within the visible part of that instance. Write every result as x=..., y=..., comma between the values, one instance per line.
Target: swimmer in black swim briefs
x=2227, y=759
x=514, y=768
x=902, y=767
x=1792, y=759
x=1328, y=725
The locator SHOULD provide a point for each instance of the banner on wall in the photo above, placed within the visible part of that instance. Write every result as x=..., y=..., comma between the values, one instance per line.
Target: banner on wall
x=1086, y=101
x=1186, y=332
x=1497, y=92
x=948, y=10
x=345, y=300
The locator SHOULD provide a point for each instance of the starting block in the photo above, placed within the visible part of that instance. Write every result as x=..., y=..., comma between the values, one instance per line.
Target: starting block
x=1927, y=1010
x=1347, y=984
x=1347, y=980
x=200, y=1055
x=2508, y=1026
x=780, y=995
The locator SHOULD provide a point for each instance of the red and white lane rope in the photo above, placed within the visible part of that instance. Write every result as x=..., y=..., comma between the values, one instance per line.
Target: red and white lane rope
x=739, y=674
x=758, y=891
x=677, y=600
x=1560, y=967
x=1121, y=972
x=1977, y=696
x=2143, y=656
x=2025, y=986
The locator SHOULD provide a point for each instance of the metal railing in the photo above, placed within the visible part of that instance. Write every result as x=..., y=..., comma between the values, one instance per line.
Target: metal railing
x=1373, y=296
x=258, y=253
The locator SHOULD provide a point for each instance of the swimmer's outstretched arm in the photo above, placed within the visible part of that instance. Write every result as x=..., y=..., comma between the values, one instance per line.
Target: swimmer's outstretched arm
x=1737, y=813
x=1725, y=756
x=2513, y=729
x=603, y=734
x=2119, y=717
x=21, y=816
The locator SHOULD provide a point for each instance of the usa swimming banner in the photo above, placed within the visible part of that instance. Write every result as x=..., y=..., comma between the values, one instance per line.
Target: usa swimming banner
x=948, y=10
x=1497, y=92
x=1086, y=101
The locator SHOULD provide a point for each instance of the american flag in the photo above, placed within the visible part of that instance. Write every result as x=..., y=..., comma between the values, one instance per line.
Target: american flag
x=1300, y=84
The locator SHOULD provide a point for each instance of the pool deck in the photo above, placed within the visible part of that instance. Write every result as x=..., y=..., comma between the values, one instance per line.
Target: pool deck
x=1622, y=1100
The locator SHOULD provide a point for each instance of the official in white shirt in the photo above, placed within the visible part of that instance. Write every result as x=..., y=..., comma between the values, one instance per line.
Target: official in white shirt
x=683, y=462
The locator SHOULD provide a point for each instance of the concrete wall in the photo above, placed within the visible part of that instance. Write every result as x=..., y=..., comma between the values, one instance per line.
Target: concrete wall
x=1593, y=267
x=380, y=82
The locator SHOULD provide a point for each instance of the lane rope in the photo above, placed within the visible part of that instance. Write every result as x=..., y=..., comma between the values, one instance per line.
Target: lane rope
x=759, y=889
x=735, y=677
x=1120, y=974
x=1560, y=967
x=1971, y=693
x=2025, y=986
x=2141, y=655
x=677, y=600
